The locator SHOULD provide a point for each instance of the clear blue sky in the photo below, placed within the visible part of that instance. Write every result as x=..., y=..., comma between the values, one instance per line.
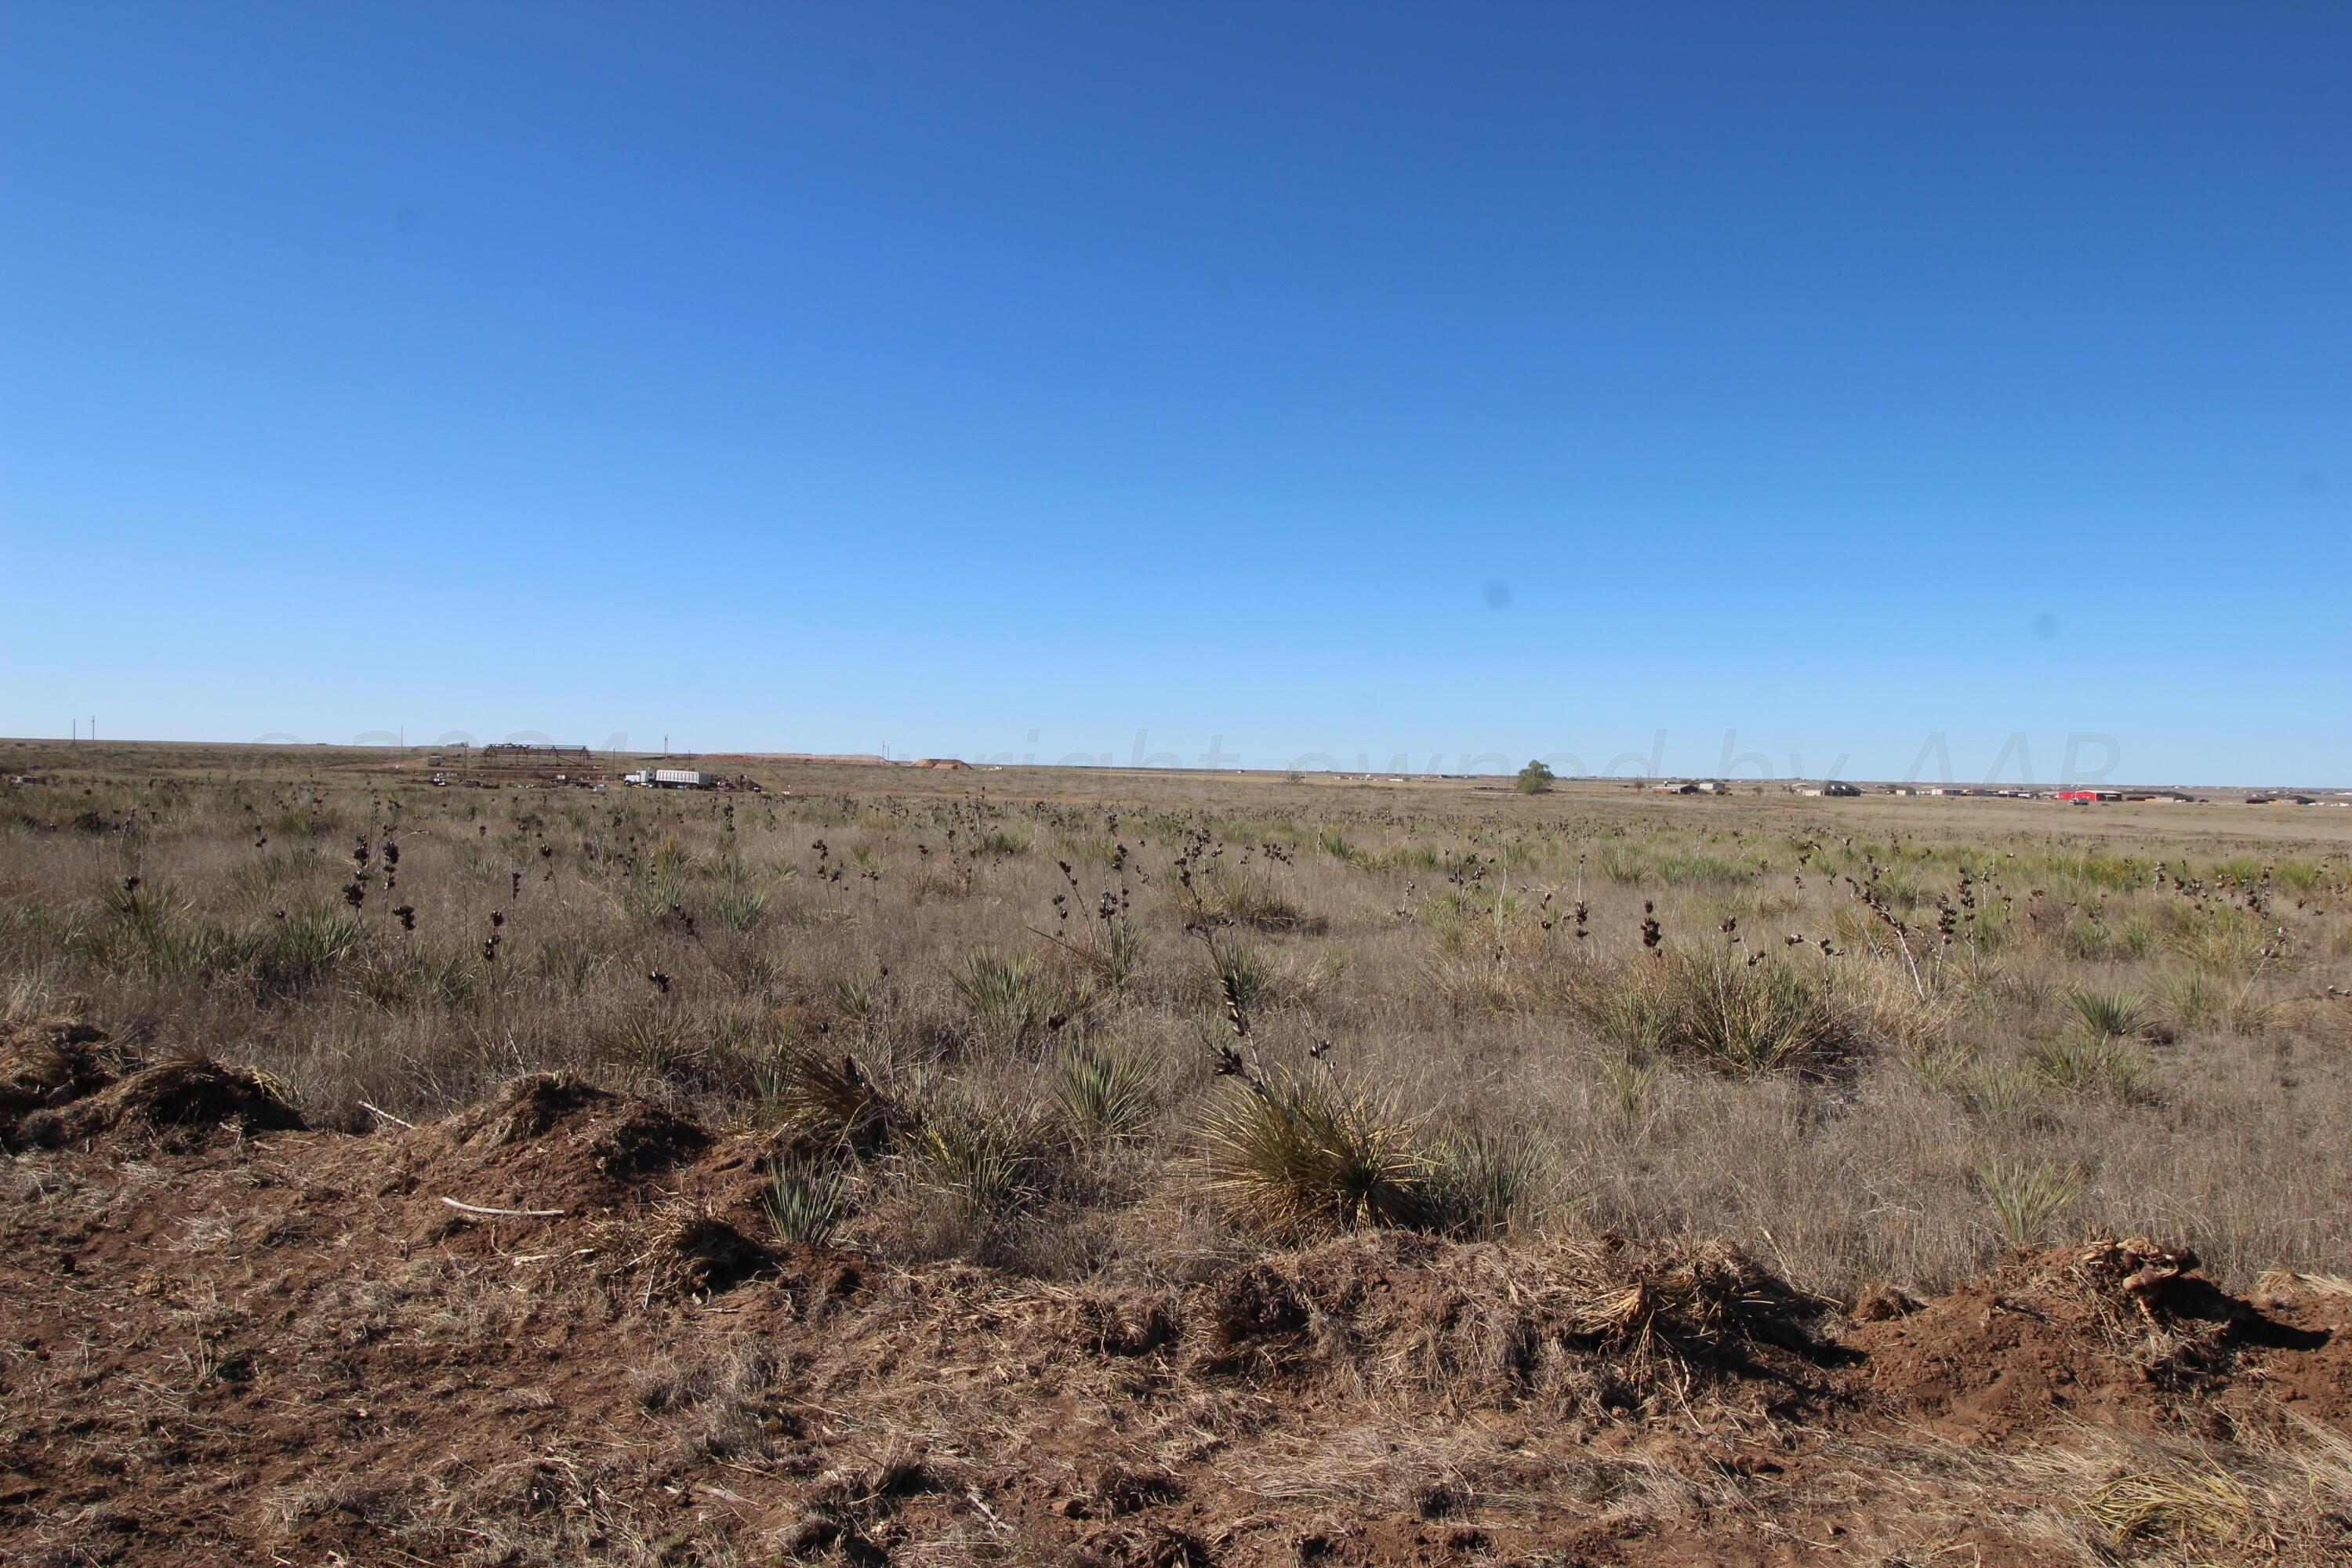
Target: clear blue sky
x=1348, y=379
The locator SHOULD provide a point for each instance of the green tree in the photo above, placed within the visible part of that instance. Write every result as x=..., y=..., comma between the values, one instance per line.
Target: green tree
x=1535, y=779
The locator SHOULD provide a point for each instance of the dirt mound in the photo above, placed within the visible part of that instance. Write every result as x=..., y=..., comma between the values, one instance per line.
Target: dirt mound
x=49, y=1062
x=1603, y=1327
x=546, y=1147
x=2120, y=1330
x=307, y=1369
x=176, y=1105
x=696, y=1253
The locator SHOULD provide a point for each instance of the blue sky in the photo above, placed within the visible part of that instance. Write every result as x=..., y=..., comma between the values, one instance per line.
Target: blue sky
x=1331, y=382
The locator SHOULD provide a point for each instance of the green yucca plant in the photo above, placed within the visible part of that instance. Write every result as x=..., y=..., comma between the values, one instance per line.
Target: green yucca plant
x=860, y=997
x=2027, y=1196
x=1739, y=1017
x=301, y=948
x=570, y=961
x=997, y=842
x=1244, y=977
x=1225, y=893
x=736, y=906
x=2109, y=1012
x=987, y=1161
x=1007, y=993
x=2000, y=1092
x=1632, y=1082
x=830, y=1095
x=805, y=1200
x=1106, y=1092
x=2087, y=1064
x=2085, y=941
x=1296, y=1155
x=1338, y=845
x=1112, y=948
x=1477, y=1182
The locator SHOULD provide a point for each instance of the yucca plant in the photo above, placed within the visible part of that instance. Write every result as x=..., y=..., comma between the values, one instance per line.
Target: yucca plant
x=2109, y=1012
x=2027, y=1196
x=1632, y=1081
x=1742, y=1017
x=300, y=947
x=1000, y=844
x=2085, y=1064
x=860, y=997
x=830, y=1095
x=1477, y=1182
x=736, y=906
x=987, y=1161
x=1007, y=995
x=1295, y=1155
x=1338, y=845
x=2002, y=1092
x=1244, y=977
x=1106, y=1092
x=805, y=1200
x=570, y=961
x=1626, y=1013
x=1112, y=948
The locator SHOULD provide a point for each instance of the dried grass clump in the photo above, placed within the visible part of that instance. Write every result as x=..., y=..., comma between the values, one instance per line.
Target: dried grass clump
x=179, y=1104
x=1571, y=1324
x=45, y=1062
x=693, y=1253
x=2185, y=1504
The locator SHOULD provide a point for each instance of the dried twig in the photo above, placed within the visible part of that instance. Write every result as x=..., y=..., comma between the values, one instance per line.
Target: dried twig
x=504, y=1213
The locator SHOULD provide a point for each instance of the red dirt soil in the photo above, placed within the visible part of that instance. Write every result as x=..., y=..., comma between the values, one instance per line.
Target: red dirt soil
x=228, y=1338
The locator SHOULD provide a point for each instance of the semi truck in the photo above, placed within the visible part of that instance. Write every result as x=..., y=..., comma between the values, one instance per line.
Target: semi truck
x=672, y=778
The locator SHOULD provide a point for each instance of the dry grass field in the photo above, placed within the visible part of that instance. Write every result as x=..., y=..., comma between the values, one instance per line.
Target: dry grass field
x=1046, y=1165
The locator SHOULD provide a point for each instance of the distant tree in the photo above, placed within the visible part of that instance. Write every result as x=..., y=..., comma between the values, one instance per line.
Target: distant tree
x=1535, y=779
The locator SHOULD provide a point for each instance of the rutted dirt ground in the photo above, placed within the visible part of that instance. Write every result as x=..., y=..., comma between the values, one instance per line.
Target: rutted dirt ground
x=228, y=1338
